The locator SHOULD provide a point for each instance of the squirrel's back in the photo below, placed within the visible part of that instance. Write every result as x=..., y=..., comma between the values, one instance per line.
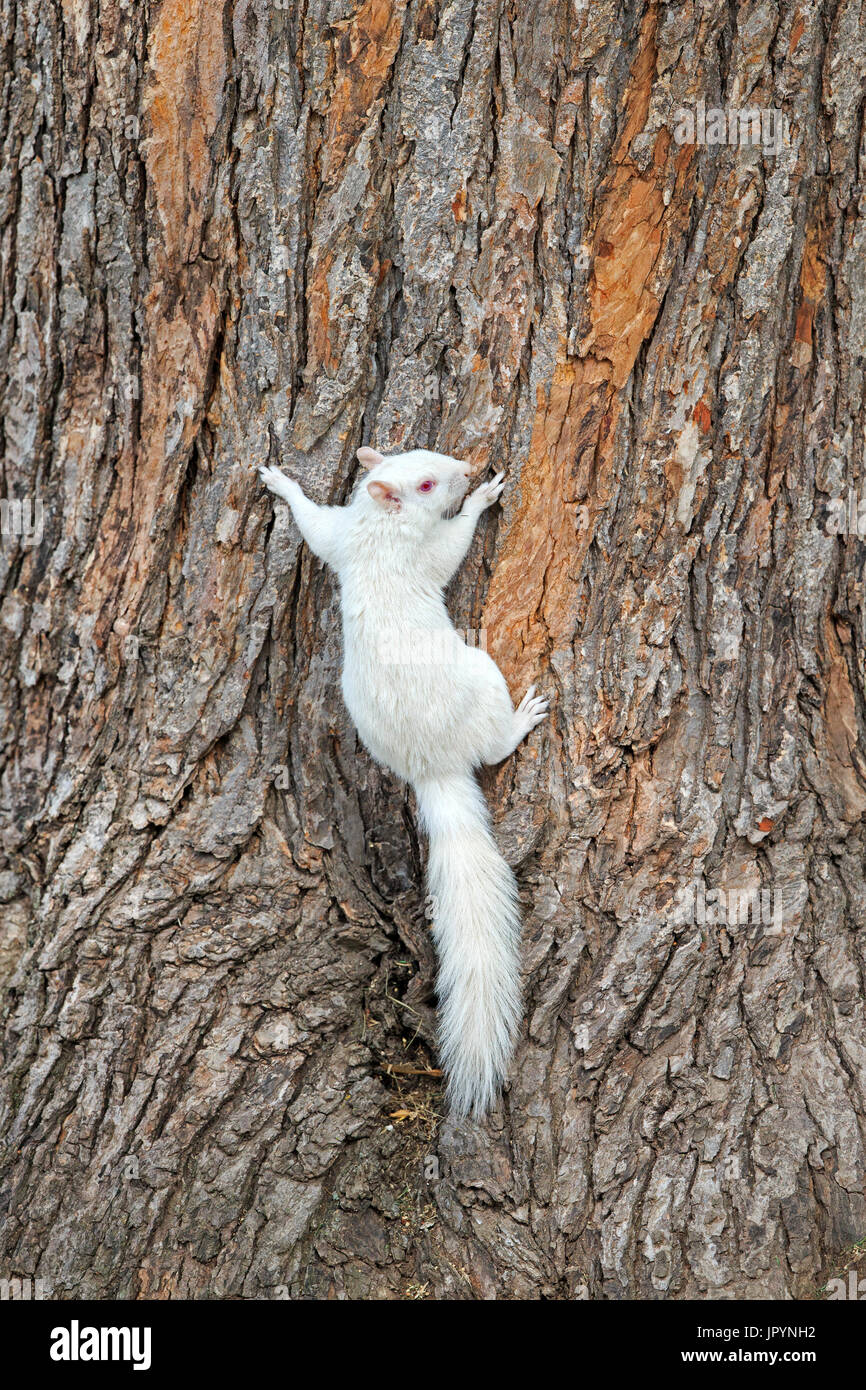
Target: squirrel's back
x=419, y=696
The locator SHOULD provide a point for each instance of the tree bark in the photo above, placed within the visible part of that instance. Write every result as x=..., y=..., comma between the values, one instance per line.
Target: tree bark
x=248, y=231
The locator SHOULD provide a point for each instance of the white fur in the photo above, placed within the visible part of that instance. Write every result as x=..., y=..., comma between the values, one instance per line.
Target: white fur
x=432, y=709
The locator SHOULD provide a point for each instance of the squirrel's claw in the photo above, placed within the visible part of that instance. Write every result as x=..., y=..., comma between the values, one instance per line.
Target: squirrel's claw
x=489, y=492
x=274, y=480
x=533, y=708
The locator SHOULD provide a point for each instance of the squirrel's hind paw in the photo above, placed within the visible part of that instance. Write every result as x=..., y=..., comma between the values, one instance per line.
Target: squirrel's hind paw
x=533, y=708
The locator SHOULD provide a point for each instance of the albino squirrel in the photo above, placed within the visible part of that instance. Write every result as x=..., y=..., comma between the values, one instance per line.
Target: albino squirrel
x=432, y=710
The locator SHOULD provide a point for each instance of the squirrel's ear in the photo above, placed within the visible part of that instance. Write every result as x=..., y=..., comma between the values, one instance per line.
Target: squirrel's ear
x=387, y=497
x=368, y=458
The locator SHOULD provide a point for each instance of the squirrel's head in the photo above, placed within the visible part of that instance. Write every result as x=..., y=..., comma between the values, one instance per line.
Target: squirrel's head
x=420, y=483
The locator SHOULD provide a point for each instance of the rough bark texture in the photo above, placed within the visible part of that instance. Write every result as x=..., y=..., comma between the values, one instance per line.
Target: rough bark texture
x=276, y=229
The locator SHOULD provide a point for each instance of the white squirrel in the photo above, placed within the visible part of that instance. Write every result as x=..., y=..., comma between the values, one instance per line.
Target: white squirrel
x=432, y=709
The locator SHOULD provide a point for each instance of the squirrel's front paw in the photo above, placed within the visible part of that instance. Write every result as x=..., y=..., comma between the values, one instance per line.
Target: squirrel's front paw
x=488, y=493
x=275, y=481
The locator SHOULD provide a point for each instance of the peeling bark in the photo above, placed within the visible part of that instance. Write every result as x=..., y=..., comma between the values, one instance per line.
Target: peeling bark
x=252, y=231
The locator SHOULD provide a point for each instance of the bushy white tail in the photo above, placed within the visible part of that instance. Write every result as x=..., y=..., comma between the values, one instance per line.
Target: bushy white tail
x=476, y=928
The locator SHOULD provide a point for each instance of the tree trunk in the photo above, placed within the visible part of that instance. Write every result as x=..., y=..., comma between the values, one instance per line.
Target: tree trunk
x=503, y=229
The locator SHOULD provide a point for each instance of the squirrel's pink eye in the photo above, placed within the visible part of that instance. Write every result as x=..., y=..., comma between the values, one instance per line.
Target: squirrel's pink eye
x=426, y=487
